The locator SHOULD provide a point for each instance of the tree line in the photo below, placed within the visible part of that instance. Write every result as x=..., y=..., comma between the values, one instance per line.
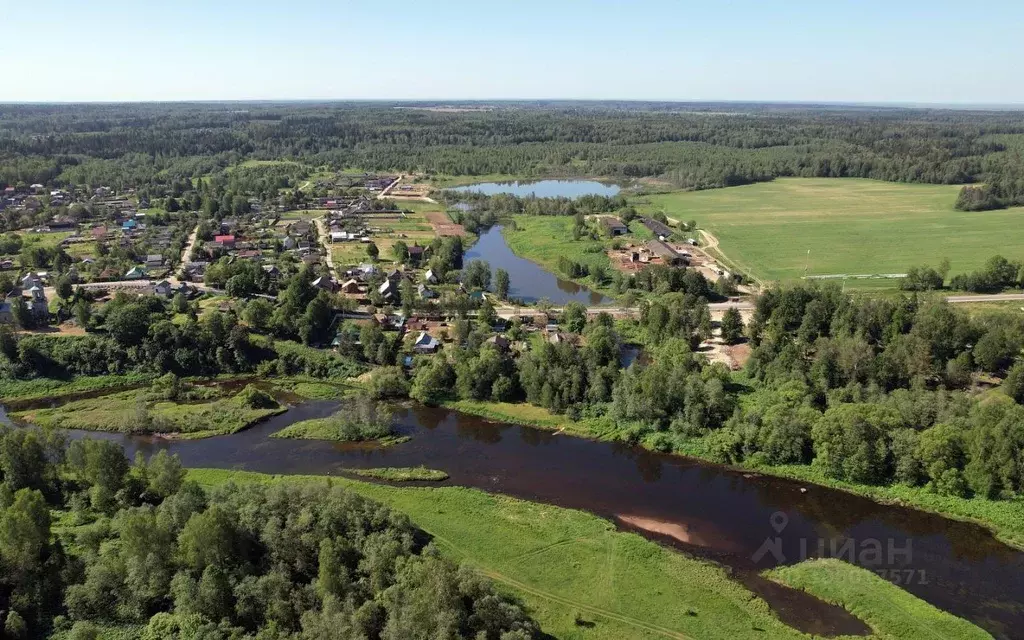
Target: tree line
x=154, y=147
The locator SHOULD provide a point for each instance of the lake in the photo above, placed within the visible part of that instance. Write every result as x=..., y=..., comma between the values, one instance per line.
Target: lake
x=528, y=281
x=707, y=510
x=544, y=188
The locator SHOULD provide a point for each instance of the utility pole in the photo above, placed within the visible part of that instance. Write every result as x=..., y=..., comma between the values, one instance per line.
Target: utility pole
x=807, y=264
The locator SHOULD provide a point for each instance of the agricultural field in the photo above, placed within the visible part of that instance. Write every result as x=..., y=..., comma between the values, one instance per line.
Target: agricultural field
x=849, y=226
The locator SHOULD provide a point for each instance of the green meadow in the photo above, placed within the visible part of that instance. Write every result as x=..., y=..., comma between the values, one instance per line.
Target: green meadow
x=890, y=611
x=583, y=580
x=138, y=411
x=776, y=230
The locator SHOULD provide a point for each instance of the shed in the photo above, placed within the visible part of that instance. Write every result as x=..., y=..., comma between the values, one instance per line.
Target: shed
x=614, y=226
x=669, y=255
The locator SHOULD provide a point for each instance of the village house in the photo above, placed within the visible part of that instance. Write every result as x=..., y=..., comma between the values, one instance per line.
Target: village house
x=425, y=293
x=226, y=241
x=154, y=261
x=500, y=342
x=326, y=283
x=429, y=277
x=426, y=343
x=136, y=273
x=30, y=280
x=416, y=253
x=163, y=288
x=350, y=286
x=37, y=304
x=388, y=290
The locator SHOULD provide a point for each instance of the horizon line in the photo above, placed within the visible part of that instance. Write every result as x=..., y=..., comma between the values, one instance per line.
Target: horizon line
x=904, y=104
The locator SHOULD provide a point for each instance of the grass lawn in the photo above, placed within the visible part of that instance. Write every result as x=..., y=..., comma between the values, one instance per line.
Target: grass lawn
x=852, y=226
x=890, y=611
x=568, y=565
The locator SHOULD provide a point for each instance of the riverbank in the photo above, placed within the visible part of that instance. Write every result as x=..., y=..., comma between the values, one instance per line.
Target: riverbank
x=580, y=577
x=1005, y=518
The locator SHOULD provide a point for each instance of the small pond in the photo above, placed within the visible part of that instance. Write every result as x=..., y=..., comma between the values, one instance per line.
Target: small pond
x=544, y=188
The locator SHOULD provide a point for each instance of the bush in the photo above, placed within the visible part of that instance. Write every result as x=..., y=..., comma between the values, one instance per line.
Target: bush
x=255, y=398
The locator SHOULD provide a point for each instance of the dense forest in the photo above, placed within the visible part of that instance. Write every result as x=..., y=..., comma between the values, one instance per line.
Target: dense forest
x=159, y=146
x=89, y=540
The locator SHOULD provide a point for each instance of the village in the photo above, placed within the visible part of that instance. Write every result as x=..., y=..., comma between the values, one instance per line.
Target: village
x=386, y=253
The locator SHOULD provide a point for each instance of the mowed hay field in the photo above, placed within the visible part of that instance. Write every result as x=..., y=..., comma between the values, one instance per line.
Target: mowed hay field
x=850, y=226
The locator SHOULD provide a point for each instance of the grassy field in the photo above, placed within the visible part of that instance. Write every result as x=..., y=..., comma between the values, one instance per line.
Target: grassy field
x=890, y=611
x=582, y=579
x=850, y=226
x=38, y=388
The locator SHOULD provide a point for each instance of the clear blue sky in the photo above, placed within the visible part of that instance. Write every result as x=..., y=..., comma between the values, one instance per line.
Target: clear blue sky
x=934, y=51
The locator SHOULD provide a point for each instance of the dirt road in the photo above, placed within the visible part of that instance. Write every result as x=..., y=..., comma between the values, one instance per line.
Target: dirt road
x=324, y=234
x=189, y=246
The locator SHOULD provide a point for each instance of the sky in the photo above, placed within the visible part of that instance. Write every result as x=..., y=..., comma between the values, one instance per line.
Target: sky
x=864, y=51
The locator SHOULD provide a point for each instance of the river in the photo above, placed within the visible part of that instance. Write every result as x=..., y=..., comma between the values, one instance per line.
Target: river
x=528, y=281
x=708, y=510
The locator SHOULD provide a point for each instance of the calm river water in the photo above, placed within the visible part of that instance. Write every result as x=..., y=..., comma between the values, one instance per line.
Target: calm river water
x=527, y=280
x=744, y=521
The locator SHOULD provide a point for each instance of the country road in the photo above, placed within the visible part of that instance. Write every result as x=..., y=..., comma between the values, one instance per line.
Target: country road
x=383, y=194
x=187, y=252
x=324, y=233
